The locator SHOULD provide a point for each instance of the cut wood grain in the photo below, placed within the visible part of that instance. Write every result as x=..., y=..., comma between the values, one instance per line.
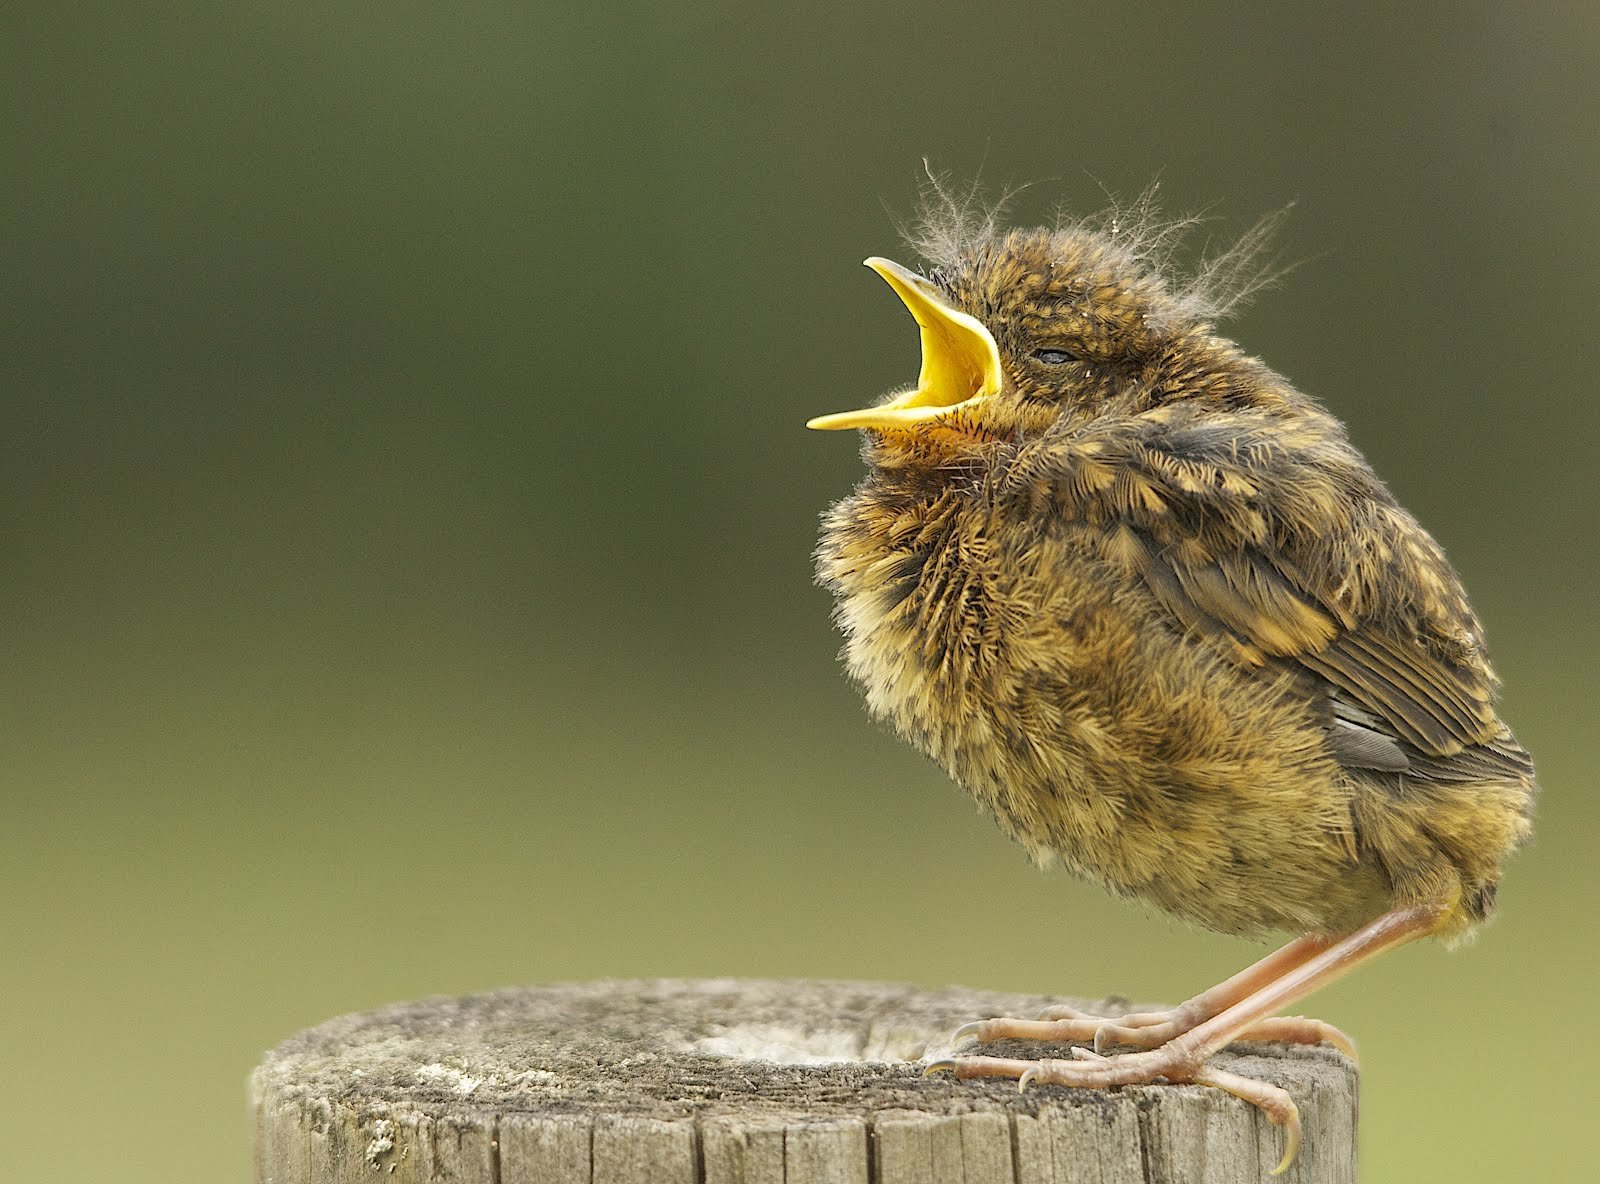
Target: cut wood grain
x=748, y=1082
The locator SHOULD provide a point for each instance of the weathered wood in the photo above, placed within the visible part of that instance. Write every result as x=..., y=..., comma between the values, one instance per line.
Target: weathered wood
x=748, y=1082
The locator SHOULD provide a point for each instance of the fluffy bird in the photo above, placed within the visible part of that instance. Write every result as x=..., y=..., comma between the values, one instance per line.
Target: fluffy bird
x=1144, y=600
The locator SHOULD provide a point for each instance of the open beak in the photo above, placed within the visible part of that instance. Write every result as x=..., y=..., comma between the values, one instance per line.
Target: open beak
x=960, y=361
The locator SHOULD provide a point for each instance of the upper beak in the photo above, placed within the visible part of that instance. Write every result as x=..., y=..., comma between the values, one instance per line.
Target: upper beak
x=960, y=361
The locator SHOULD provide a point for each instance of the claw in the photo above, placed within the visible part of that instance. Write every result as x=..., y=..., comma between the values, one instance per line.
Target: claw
x=967, y=1034
x=933, y=1067
x=1332, y=1035
x=1028, y=1076
x=1297, y=1029
x=1292, y=1138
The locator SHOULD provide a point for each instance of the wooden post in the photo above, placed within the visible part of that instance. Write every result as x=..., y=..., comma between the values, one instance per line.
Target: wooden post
x=747, y=1082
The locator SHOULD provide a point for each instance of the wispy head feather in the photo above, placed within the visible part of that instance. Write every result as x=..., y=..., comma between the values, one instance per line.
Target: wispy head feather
x=1229, y=279
x=953, y=221
x=950, y=219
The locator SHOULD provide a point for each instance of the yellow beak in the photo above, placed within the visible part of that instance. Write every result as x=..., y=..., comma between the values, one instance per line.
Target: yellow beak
x=960, y=361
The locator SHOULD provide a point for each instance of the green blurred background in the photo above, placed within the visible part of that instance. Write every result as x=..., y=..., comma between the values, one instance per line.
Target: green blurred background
x=406, y=510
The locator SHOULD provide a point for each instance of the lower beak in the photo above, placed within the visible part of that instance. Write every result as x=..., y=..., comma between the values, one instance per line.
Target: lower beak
x=960, y=361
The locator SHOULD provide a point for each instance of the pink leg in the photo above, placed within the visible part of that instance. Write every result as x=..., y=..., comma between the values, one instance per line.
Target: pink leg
x=1183, y=1058
x=1153, y=1028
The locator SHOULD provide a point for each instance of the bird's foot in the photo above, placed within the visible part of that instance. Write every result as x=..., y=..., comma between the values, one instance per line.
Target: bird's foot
x=1241, y=1008
x=1172, y=1062
x=1147, y=1029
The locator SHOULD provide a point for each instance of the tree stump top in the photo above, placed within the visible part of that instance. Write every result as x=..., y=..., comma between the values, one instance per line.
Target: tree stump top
x=712, y=1081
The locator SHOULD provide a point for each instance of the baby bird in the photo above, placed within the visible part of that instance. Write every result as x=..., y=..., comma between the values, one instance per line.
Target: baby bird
x=1145, y=602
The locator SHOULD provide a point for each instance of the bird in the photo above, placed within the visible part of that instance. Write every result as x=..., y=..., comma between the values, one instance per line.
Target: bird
x=1145, y=601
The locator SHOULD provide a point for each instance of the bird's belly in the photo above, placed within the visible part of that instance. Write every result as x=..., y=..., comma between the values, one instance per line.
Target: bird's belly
x=1099, y=736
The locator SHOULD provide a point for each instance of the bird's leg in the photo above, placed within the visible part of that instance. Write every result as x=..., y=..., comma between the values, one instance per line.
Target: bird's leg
x=1149, y=1029
x=1183, y=1058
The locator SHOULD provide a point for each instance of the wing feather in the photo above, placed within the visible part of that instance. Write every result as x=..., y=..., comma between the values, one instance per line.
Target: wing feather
x=1283, y=547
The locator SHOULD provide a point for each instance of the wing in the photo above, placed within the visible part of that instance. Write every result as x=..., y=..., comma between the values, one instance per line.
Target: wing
x=1271, y=536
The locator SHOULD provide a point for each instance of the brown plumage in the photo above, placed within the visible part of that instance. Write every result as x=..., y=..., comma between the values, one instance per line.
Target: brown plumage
x=1145, y=601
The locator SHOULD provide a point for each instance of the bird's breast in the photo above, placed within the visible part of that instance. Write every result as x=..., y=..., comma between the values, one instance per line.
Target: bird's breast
x=921, y=593
x=1061, y=696
x=959, y=628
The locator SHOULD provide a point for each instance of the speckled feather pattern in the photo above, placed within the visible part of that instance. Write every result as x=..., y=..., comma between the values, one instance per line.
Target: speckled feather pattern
x=1156, y=613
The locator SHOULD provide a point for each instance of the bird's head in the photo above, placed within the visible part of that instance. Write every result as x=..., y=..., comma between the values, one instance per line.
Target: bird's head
x=1025, y=331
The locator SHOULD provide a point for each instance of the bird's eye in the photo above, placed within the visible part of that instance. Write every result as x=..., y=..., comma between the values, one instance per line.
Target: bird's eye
x=1054, y=357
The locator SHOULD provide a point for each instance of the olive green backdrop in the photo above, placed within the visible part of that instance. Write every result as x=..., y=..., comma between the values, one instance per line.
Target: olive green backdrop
x=406, y=510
